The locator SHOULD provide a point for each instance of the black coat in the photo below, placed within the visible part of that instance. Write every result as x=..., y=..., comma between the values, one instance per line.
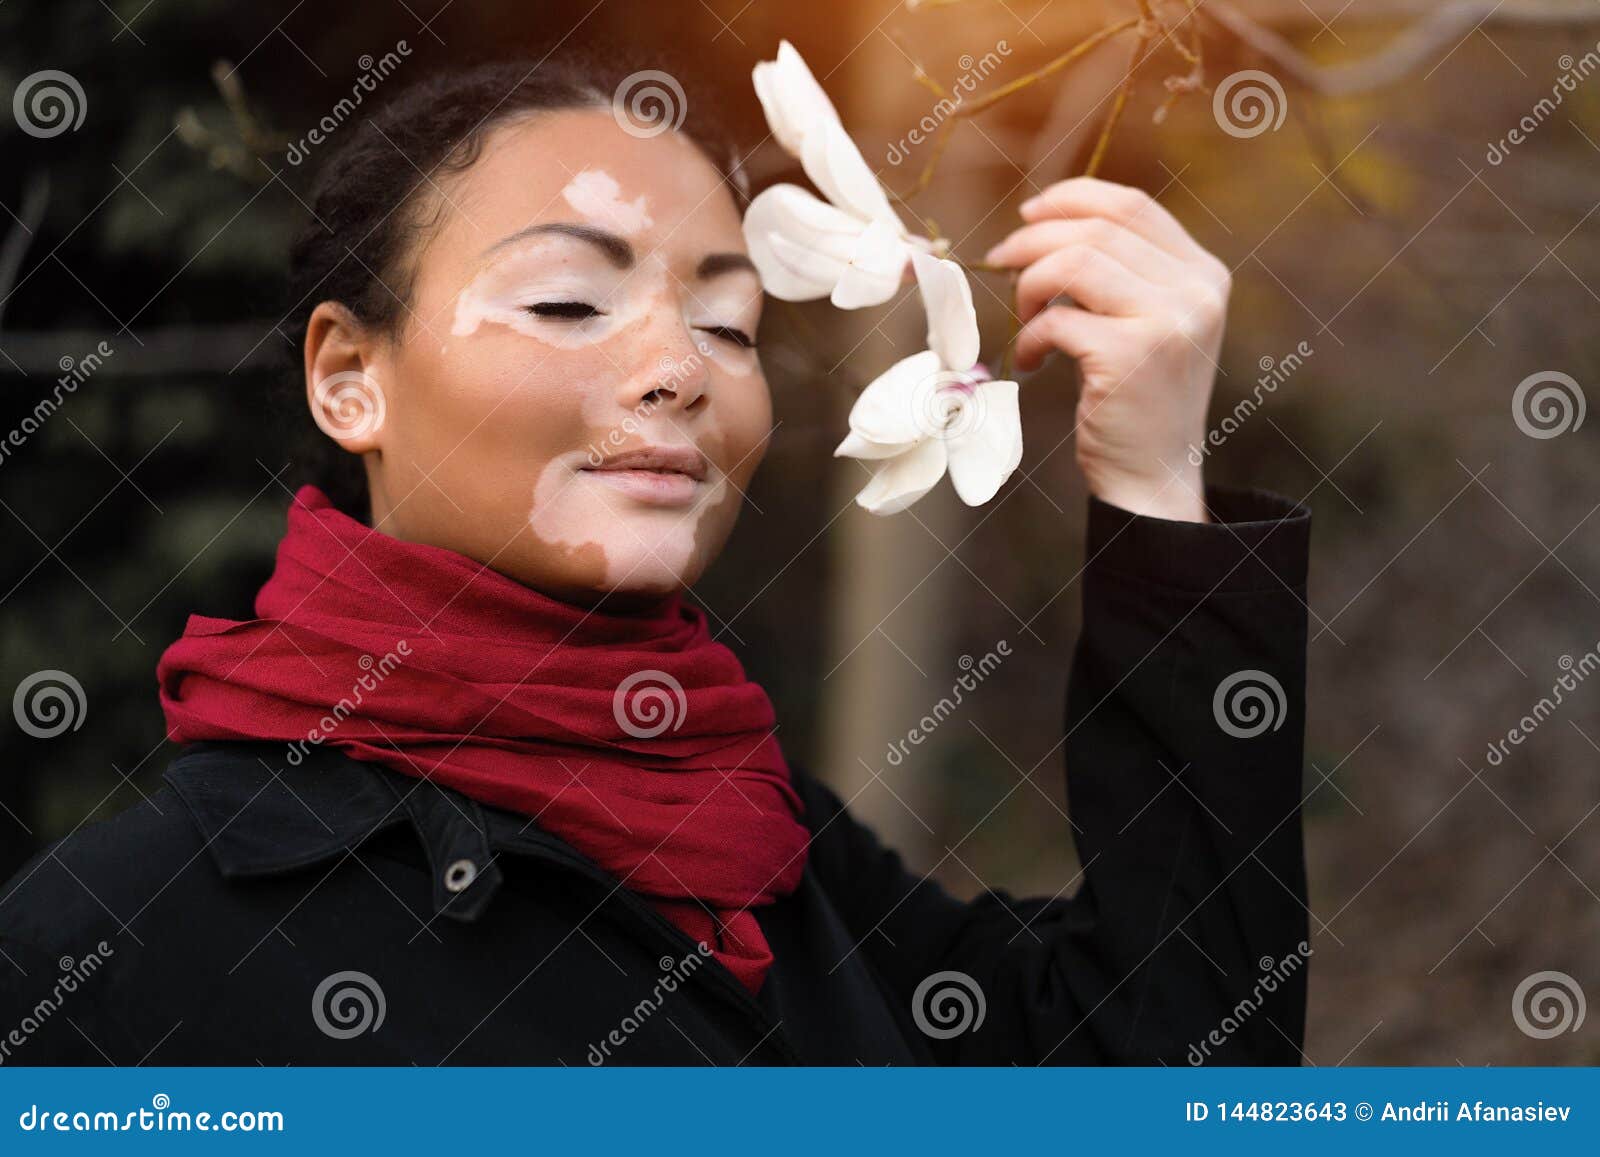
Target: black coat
x=339, y=913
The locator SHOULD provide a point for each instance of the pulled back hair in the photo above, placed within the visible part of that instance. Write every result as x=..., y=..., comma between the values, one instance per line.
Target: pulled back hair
x=372, y=209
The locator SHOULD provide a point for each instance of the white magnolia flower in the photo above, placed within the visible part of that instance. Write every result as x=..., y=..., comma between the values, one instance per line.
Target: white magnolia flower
x=933, y=412
x=851, y=248
x=791, y=97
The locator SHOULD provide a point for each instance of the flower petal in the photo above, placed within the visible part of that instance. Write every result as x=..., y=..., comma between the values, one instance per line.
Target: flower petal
x=901, y=480
x=800, y=244
x=858, y=446
x=791, y=97
x=984, y=453
x=834, y=164
x=886, y=411
x=947, y=299
x=875, y=268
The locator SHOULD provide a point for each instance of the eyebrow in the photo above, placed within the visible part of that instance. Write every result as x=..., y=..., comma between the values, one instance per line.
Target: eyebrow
x=618, y=251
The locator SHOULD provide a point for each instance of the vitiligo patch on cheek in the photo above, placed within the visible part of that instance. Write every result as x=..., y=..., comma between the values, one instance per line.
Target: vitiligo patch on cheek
x=597, y=195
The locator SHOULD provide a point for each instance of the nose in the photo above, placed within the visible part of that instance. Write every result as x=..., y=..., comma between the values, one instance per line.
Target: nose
x=678, y=376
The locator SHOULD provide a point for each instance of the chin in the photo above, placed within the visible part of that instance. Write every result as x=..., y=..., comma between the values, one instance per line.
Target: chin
x=647, y=575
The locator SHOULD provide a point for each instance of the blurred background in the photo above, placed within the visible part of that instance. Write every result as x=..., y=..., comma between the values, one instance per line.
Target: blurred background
x=1407, y=194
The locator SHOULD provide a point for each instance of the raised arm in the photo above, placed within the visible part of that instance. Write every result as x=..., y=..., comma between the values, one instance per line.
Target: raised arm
x=1186, y=939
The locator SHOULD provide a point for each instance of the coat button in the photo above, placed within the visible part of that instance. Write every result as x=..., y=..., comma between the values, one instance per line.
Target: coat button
x=460, y=874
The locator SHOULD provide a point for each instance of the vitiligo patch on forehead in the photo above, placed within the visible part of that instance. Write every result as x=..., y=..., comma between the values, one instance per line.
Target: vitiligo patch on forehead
x=596, y=194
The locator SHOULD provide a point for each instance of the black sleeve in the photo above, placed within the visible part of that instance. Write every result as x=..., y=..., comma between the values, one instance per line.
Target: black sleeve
x=1186, y=941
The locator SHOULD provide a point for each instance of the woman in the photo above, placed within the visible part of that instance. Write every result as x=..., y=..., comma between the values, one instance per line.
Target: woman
x=476, y=785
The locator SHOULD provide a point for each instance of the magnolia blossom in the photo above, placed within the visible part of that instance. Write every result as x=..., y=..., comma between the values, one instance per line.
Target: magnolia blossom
x=851, y=248
x=933, y=411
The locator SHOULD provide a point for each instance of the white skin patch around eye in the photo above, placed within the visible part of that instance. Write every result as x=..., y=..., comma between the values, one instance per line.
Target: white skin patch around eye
x=596, y=194
x=644, y=551
x=541, y=271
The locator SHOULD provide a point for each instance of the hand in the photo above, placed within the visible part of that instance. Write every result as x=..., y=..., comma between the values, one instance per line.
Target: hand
x=1148, y=307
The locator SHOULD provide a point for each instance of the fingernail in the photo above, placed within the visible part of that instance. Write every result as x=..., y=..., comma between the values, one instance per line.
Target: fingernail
x=1030, y=205
x=993, y=256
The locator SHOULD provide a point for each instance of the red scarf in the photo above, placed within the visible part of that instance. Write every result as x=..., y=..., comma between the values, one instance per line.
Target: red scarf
x=633, y=736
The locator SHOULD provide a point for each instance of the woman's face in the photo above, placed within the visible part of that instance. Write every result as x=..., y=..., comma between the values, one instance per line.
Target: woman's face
x=575, y=400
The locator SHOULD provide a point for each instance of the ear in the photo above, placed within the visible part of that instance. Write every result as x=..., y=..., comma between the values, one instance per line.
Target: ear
x=343, y=387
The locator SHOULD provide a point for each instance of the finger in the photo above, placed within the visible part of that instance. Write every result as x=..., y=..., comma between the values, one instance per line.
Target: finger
x=1126, y=206
x=1031, y=242
x=1075, y=332
x=1093, y=279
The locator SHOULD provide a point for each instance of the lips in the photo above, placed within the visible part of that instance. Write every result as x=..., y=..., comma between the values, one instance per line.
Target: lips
x=660, y=459
x=654, y=475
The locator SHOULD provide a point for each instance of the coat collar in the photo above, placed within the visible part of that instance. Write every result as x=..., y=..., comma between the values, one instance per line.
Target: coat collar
x=260, y=815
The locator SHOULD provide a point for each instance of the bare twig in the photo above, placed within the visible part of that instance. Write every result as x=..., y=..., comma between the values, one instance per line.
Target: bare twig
x=961, y=111
x=1118, y=103
x=1441, y=28
x=254, y=141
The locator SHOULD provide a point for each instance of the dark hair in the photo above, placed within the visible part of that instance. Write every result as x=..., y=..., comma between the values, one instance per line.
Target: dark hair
x=371, y=208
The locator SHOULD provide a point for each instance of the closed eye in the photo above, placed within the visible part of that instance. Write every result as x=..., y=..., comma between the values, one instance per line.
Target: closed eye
x=563, y=310
x=737, y=336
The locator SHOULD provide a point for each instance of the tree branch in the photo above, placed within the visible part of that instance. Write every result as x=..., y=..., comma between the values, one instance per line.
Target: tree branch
x=1441, y=28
